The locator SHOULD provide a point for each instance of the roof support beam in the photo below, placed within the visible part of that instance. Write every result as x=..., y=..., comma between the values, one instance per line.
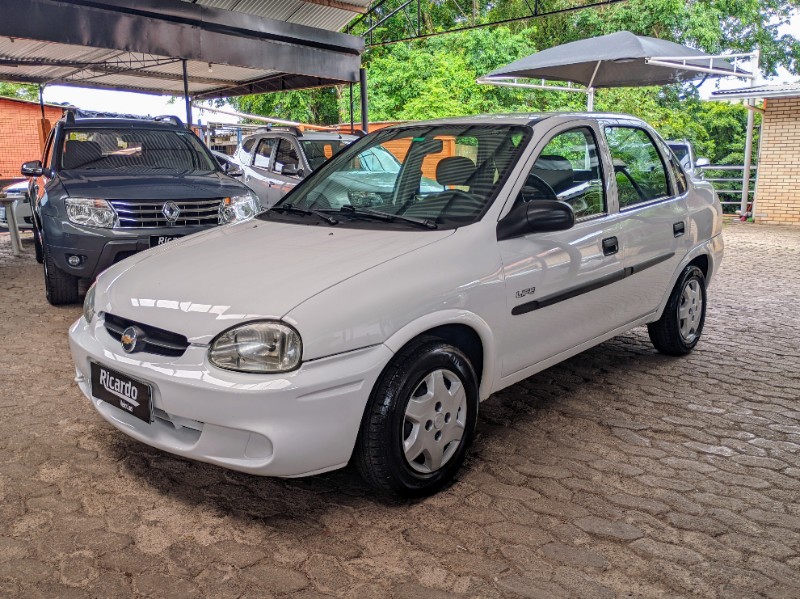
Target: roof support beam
x=175, y=29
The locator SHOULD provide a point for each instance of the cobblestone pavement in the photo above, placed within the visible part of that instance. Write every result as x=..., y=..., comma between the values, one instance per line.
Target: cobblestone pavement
x=618, y=473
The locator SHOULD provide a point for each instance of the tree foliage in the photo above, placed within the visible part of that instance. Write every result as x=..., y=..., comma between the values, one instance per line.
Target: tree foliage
x=19, y=90
x=435, y=77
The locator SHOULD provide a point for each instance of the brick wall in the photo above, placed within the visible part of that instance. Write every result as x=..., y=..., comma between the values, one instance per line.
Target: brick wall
x=19, y=138
x=778, y=188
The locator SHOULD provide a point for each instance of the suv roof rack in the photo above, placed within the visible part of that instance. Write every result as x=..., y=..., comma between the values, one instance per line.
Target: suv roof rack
x=296, y=131
x=169, y=117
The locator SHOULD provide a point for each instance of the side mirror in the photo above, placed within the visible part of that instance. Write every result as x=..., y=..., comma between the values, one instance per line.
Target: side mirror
x=32, y=168
x=537, y=216
x=232, y=170
x=291, y=170
x=702, y=162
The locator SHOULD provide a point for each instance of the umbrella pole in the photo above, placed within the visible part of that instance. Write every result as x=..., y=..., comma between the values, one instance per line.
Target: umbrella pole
x=590, y=89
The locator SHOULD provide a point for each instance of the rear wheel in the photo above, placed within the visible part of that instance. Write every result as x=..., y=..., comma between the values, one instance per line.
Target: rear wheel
x=680, y=326
x=420, y=420
x=60, y=287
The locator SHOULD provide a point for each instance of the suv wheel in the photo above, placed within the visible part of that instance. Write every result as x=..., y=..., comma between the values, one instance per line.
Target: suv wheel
x=60, y=288
x=420, y=420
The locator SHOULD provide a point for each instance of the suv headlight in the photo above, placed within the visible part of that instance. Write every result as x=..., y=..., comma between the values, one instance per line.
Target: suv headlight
x=263, y=347
x=88, y=304
x=238, y=208
x=90, y=212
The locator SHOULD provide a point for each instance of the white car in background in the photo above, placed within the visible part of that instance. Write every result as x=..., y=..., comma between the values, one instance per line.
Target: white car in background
x=370, y=325
x=23, y=206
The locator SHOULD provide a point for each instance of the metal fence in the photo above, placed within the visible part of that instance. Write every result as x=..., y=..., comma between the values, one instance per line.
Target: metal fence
x=727, y=179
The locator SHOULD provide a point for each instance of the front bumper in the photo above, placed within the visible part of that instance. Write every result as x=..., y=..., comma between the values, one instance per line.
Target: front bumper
x=101, y=248
x=292, y=424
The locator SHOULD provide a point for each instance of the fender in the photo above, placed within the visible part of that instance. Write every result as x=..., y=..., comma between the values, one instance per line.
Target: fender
x=712, y=248
x=444, y=317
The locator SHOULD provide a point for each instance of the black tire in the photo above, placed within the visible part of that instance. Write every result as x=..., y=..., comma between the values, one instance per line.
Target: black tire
x=37, y=244
x=61, y=288
x=379, y=454
x=666, y=333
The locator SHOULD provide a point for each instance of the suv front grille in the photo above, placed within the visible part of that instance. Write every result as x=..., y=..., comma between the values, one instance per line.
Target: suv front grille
x=156, y=341
x=141, y=214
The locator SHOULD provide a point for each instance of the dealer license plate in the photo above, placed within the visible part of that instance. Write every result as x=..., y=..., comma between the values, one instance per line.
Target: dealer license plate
x=162, y=239
x=122, y=391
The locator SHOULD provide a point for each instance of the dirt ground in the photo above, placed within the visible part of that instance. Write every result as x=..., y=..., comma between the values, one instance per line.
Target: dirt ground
x=620, y=473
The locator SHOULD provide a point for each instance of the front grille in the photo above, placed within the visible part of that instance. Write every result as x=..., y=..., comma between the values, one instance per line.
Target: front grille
x=143, y=213
x=156, y=341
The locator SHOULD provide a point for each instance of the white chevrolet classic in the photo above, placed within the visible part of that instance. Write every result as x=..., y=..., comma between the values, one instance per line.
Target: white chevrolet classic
x=368, y=320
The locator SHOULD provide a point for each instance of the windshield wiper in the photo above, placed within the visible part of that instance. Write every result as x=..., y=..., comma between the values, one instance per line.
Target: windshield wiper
x=387, y=217
x=295, y=210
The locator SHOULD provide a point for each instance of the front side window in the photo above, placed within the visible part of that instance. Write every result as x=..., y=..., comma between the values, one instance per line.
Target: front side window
x=285, y=155
x=445, y=176
x=638, y=168
x=568, y=169
x=134, y=150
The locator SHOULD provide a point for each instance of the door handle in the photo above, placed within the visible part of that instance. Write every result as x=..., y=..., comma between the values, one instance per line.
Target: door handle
x=678, y=229
x=610, y=246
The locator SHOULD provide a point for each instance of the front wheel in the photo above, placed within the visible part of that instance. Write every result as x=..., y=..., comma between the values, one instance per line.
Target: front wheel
x=680, y=326
x=419, y=421
x=60, y=287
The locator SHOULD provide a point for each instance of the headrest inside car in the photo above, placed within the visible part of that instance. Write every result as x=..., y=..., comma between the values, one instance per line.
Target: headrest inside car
x=78, y=153
x=455, y=170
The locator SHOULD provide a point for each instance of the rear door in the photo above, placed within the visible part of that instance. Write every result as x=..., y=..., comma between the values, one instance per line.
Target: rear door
x=257, y=174
x=653, y=232
x=562, y=287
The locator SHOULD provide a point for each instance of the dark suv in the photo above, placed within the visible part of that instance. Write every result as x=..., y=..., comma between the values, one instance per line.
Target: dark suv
x=108, y=188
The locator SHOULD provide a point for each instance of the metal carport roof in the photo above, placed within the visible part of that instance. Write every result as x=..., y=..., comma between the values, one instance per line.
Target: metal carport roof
x=230, y=47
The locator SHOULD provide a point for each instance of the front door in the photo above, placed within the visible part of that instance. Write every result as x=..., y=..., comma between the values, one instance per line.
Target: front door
x=561, y=286
x=285, y=169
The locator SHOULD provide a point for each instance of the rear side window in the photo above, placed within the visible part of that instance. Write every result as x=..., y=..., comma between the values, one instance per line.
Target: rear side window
x=247, y=145
x=638, y=168
x=263, y=152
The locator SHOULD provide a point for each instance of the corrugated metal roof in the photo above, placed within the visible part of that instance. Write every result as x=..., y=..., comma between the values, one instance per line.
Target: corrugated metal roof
x=55, y=58
x=776, y=90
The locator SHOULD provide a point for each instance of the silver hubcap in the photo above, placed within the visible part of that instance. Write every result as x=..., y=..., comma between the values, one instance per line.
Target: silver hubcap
x=434, y=421
x=690, y=310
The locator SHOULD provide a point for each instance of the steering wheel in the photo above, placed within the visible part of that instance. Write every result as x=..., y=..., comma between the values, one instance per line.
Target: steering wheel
x=536, y=188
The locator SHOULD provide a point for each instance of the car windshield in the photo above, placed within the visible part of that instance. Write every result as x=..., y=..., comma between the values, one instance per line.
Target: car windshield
x=319, y=150
x=444, y=176
x=134, y=150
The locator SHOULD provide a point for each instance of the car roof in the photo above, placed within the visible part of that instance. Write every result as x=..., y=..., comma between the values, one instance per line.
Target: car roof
x=516, y=118
x=106, y=123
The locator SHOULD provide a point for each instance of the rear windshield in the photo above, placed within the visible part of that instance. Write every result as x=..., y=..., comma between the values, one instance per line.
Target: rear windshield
x=135, y=150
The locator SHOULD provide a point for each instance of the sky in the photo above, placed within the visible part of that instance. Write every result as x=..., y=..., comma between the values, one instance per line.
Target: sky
x=152, y=105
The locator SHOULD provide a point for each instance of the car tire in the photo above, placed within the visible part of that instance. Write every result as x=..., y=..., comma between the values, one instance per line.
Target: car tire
x=681, y=324
x=60, y=288
x=37, y=244
x=420, y=420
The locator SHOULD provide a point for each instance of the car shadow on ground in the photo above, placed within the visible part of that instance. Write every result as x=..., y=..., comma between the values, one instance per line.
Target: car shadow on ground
x=297, y=505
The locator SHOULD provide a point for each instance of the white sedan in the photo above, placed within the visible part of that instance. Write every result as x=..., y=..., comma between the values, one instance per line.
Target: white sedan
x=369, y=322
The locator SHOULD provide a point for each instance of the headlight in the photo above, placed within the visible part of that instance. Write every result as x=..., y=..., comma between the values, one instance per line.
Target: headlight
x=257, y=347
x=239, y=208
x=88, y=304
x=91, y=213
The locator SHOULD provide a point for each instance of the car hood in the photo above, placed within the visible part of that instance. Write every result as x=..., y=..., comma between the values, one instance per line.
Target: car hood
x=153, y=185
x=203, y=284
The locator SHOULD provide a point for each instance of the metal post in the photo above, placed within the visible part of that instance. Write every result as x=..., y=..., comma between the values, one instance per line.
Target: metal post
x=590, y=99
x=362, y=77
x=186, y=96
x=748, y=144
x=41, y=100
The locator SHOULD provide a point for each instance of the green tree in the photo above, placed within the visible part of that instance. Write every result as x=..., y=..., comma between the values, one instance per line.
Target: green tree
x=19, y=90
